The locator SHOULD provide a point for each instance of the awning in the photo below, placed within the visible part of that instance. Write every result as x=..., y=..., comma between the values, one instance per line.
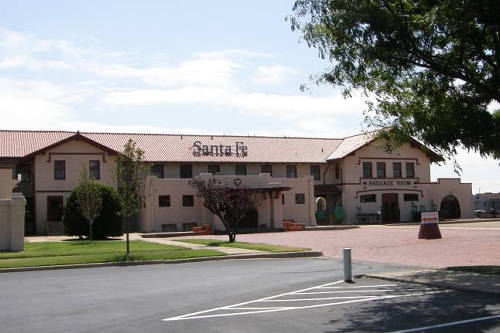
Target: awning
x=324, y=189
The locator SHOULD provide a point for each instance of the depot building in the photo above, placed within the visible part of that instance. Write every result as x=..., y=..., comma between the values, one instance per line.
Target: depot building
x=308, y=180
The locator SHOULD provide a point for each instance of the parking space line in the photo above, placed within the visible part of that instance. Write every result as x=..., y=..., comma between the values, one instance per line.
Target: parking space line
x=453, y=323
x=276, y=298
x=316, y=299
x=249, y=302
x=343, y=291
x=355, y=287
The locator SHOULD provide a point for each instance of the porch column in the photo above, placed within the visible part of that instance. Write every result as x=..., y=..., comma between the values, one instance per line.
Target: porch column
x=271, y=205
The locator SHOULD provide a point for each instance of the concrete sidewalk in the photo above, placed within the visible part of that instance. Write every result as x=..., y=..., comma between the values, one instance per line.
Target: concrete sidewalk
x=159, y=240
x=464, y=281
x=226, y=250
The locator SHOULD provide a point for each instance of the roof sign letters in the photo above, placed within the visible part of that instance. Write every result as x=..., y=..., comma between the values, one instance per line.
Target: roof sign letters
x=238, y=150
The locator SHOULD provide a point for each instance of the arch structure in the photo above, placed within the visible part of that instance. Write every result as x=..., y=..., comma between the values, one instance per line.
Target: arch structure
x=449, y=208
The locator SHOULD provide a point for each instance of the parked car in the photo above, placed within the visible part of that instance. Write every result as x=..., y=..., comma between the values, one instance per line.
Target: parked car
x=488, y=213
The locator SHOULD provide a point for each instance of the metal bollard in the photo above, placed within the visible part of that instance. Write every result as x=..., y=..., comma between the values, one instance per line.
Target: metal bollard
x=347, y=265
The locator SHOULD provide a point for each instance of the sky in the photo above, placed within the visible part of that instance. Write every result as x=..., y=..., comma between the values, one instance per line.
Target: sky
x=194, y=67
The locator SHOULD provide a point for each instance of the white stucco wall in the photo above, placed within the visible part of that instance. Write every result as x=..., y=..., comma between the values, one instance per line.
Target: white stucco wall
x=75, y=153
x=153, y=216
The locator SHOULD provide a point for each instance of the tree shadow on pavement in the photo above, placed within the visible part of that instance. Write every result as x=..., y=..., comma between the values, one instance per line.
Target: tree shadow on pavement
x=417, y=311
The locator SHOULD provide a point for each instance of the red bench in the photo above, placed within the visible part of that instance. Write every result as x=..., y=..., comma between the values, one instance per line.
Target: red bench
x=290, y=225
x=205, y=230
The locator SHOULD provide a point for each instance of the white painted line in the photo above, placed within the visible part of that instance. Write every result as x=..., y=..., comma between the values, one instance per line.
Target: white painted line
x=343, y=291
x=194, y=316
x=316, y=299
x=249, y=302
x=262, y=308
x=371, y=286
x=454, y=323
x=252, y=310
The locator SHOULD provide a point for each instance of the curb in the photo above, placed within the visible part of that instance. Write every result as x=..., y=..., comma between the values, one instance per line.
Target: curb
x=431, y=284
x=283, y=255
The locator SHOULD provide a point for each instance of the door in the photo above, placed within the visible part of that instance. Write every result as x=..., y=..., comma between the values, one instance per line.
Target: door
x=251, y=220
x=390, y=207
x=450, y=208
x=54, y=208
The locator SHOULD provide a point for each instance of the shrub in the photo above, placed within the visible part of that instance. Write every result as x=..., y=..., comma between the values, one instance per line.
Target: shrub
x=108, y=223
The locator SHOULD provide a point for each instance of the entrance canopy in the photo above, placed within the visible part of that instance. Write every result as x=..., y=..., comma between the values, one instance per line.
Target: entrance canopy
x=330, y=189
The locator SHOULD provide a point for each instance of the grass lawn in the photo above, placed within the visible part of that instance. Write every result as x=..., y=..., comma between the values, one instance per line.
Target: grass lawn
x=243, y=245
x=495, y=270
x=81, y=252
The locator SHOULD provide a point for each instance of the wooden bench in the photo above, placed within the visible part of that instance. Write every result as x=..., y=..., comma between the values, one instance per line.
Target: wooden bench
x=290, y=225
x=205, y=230
x=188, y=226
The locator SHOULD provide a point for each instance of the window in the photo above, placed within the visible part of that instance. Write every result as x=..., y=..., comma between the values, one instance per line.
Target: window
x=266, y=168
x=95, y=169
x=24, y=172
x=54, y=208
x=240, y=169
x=282, y=199
x=396, y=169
x=367, y=169
x=186, y=171
x=368, y=198
x=410, y=197
x=59, y=170
x=187, y=201
x=164, y=200
x=410, y=170
x=300, y=198
x=315, y=172
x=291, y=171
x=213, y=168
x=380, y=169
x=157, y=170
x=337, y=171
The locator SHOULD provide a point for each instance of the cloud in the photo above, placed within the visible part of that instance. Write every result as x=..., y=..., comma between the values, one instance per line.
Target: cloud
x=272, y=75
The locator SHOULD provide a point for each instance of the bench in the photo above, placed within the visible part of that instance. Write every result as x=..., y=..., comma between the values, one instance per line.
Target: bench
x=188, y=226
x=290, y=225
x=205, y=230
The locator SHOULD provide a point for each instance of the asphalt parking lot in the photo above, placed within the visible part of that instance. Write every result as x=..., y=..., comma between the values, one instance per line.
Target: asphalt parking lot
x=273, y=295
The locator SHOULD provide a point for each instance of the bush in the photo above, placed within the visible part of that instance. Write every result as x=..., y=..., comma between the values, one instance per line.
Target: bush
x=108, y=223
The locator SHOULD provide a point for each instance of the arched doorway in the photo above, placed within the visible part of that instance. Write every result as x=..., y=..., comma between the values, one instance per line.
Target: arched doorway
x=450, y=207
x=320, y=214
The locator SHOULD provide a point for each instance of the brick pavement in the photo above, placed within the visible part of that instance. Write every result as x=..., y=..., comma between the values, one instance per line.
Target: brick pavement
x=461, y=245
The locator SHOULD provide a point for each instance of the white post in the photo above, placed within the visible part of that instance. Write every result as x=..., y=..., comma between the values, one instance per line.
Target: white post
x=347, y=265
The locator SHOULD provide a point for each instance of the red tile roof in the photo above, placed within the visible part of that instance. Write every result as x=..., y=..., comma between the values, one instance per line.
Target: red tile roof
x=16, y=144
x=179, y=148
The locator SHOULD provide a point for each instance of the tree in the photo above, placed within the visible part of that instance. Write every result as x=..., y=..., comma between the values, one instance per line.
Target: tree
x=88, y=196
x=230, y=205
x=432, y=66
x=131, y=170
x=108, y=222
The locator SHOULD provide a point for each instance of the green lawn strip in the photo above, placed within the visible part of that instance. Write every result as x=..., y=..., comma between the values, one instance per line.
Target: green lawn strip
x=72, y=248
x=243, y=245
x=107, y=257
x=494, y=270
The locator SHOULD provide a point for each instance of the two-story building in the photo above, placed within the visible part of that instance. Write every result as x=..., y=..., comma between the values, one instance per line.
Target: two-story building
x=310, y=180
